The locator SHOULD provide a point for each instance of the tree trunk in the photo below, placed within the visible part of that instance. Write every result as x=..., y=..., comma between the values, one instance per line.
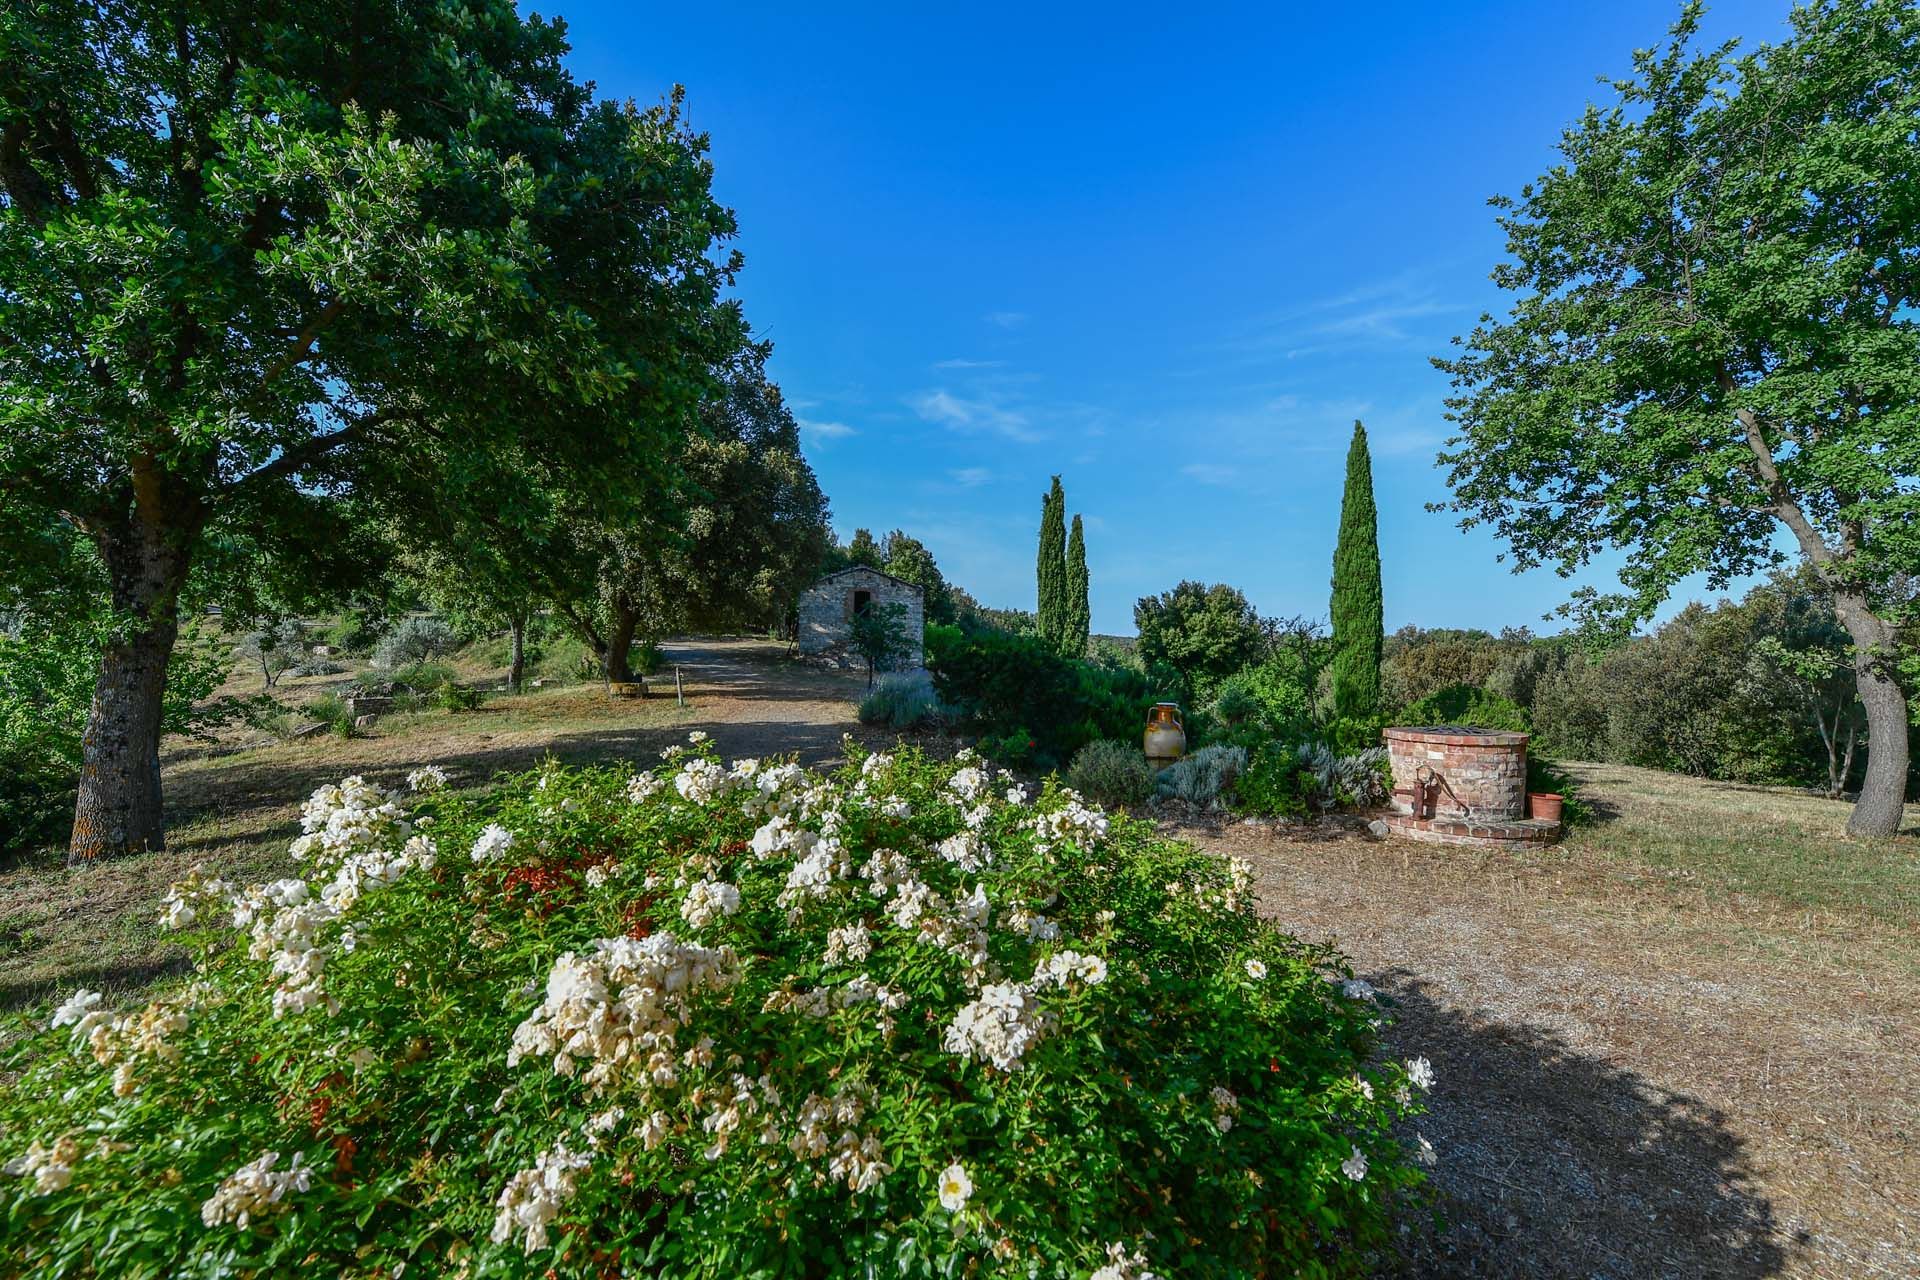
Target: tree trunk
x=1830, y=739
x=517, y=666
x=1846, y=764
x=618, y=658
x=118, y=809
x=1883, y=790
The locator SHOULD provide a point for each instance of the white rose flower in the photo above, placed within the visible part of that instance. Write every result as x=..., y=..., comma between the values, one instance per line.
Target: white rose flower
x=1355, y=1165
x=492, y=844
x=256, y=1190
x=955, y=1187
x=707, y=900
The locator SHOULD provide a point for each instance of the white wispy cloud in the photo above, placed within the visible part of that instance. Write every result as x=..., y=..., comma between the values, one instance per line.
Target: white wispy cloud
x=970, y=477
x=1005, y=319
x=970, y=414
x=824, y=431
x=968, y=364
x=1384, y=313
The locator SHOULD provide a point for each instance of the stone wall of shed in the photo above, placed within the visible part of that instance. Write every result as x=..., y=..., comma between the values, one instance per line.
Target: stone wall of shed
x=826, y=616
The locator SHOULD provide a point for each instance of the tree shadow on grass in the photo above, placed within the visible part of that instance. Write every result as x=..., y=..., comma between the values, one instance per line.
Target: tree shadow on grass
x=131, y=975
x=237, y=788
x=1554, y=1163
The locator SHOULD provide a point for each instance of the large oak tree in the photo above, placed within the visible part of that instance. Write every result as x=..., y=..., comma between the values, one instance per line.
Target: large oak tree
x=255, y=254
x=1716, y=348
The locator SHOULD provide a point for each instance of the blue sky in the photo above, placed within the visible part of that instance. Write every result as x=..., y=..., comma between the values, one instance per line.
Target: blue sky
x=1168, y=253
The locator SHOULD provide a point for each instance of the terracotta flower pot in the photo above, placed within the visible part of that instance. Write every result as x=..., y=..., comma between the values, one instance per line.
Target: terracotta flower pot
x=1544, y=805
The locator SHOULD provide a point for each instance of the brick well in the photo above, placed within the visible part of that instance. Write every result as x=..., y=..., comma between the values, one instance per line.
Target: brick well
x=1484, y=799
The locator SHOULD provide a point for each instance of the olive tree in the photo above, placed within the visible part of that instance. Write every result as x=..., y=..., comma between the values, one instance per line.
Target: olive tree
x=879, y=635
x=255, y=257
x=1715, y=351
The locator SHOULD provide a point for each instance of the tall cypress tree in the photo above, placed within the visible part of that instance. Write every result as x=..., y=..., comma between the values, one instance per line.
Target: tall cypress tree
x=1079, y=611
x=1358, y=624
x=1051, y=570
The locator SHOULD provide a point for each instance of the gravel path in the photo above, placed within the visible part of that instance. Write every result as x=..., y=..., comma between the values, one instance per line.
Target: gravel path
x=756, y=702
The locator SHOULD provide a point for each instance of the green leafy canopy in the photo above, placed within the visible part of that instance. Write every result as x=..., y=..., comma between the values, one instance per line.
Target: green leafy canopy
x=1716, y=331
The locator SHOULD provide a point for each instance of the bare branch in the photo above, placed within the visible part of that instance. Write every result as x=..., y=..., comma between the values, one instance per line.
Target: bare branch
x=293, y=460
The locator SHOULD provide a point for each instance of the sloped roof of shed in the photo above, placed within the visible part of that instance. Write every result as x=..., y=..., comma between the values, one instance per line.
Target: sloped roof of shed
x=866, y=568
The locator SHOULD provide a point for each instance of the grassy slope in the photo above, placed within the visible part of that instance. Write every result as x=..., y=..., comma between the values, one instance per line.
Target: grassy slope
x=1764, y=843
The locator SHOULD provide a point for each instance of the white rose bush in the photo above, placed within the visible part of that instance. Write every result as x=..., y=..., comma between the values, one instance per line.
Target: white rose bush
x=716, y=1020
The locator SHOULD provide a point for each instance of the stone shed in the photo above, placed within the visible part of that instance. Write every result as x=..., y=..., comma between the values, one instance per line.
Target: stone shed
x=827, y=609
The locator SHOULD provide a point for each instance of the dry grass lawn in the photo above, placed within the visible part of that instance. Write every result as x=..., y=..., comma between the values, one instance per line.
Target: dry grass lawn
x=234, y=805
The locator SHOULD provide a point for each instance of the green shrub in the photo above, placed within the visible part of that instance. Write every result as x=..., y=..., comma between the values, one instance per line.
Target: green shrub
x=1015, y=747
x=1288, y=780
x=1270, y=786
x=353, y=631
x=1463, y=704
x=1349, y=734
x=901, y=701
x=37, y=791
x=1015, y=689
x=457, y=697
x=332, y=710
x=1329, y=780
x=582, y=1026
x=1111, y=773
x=1203, y=779
x=1272, y=699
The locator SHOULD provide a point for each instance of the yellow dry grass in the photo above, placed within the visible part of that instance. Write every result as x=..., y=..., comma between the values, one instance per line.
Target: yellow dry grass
x=233, y=805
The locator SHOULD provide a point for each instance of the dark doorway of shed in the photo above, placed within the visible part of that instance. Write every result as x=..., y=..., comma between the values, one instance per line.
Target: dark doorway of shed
x=862, y=600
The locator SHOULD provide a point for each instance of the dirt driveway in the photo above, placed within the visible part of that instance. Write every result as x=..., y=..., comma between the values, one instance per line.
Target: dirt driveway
x=1632, y=1082
x=755, y=702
